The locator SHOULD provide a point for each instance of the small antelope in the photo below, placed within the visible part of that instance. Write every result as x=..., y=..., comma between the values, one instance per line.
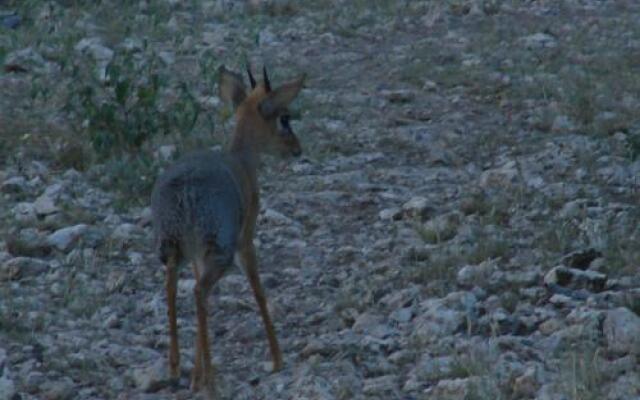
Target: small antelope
x=205, y=206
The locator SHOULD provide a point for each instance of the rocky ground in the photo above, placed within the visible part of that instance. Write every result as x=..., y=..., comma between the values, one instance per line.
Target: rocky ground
x=463, y=224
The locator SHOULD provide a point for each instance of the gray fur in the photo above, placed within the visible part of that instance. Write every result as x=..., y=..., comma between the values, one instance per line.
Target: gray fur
x=197, y=207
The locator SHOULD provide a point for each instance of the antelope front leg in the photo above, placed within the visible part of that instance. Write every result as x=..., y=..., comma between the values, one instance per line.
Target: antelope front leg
x=249, y=262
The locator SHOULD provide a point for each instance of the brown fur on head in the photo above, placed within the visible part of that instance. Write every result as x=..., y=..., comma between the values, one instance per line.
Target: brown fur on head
x=262, y=113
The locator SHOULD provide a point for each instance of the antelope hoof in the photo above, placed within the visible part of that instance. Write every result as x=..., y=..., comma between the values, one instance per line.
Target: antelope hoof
x=277, y=364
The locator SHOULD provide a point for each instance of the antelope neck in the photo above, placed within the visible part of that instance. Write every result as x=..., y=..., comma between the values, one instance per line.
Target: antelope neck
x=245, y=150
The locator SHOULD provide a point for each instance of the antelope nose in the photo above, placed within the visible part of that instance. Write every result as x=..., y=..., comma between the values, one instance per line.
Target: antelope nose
x=297, y=152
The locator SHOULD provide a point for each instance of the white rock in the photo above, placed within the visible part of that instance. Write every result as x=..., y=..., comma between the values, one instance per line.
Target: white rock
x=434, y=320
x=277, y=217
x=63, y=239
x=417, y=207
x=622, y=331
x=3, y=359
x=627, y=386
x=14, y=184
x=112, y=321
x=433, y=368
x=398, y=95
x=26, y=58
x=20, y=267
x=185, y=287
x=527, y=384
x=402, y=315
x=7, y=388
x=392, y=213
x=453, y=389
x=562, y=124
x=373, y=325
x=576, y=278
x=166, y=152
x=45, y=205
x=267, y=38
x=125, y=232
x=100, y=53
x=132, y=44
x=380, y=385
x=152, y=377
x=500, y=177
x=24, y=212
x=539, y=40
x=471, y=275
x=61, y=389
x=94, y=47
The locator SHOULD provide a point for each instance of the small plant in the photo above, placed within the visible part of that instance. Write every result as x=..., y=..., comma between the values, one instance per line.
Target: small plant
x=581, y=376
x=131, y=105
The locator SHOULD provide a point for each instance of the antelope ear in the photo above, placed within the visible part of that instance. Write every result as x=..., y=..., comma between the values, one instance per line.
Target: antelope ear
x=278, y=99
x=230, y=87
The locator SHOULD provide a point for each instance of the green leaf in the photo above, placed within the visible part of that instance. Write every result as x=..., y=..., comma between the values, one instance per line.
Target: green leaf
x=122, y=92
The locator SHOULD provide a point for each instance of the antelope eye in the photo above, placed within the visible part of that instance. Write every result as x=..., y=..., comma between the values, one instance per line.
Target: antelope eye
x=284, y=120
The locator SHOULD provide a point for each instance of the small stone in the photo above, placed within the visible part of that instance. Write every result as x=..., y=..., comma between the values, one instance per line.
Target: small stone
x=62, y=389
x=417, y=207
x=16, y=184
x=399, y=95
x=393, y=213
x=562, y=124
x=28, y=242
x=581, y=259
x=152, y=378
x=620, y=366
x=277, y=217
x=22, y=267
x=472, y=275
x=45, y=205
x=550, y=326
x=401, y=298
x=100, y=53
x=10, y=21
x=453, y=389
x=402, y=315
x=267, y=38
x=576, y=279
x=112, y=322
x=166, y=152
x=539, y=40
x=505, y=175
x=622, y=331
x=431, y=369
x=145, y=218
x=64, y=239
x=627, y=386
x=560, y=300
x=167, y=57
x=24, y=60
x=133, y=45
x=373, y=325
x=7, y=388
x=527, y=384
x=95, y=48
x=435, y=320
x=34, y=381
x=185, y=287
x=380, y=385
x=24, y=212
x=125, y=232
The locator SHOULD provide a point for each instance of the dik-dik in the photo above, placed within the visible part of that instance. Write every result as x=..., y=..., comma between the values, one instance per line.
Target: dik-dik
x=205, y=207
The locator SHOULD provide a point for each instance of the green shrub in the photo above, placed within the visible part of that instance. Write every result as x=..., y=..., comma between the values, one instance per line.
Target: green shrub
x=130, y=104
